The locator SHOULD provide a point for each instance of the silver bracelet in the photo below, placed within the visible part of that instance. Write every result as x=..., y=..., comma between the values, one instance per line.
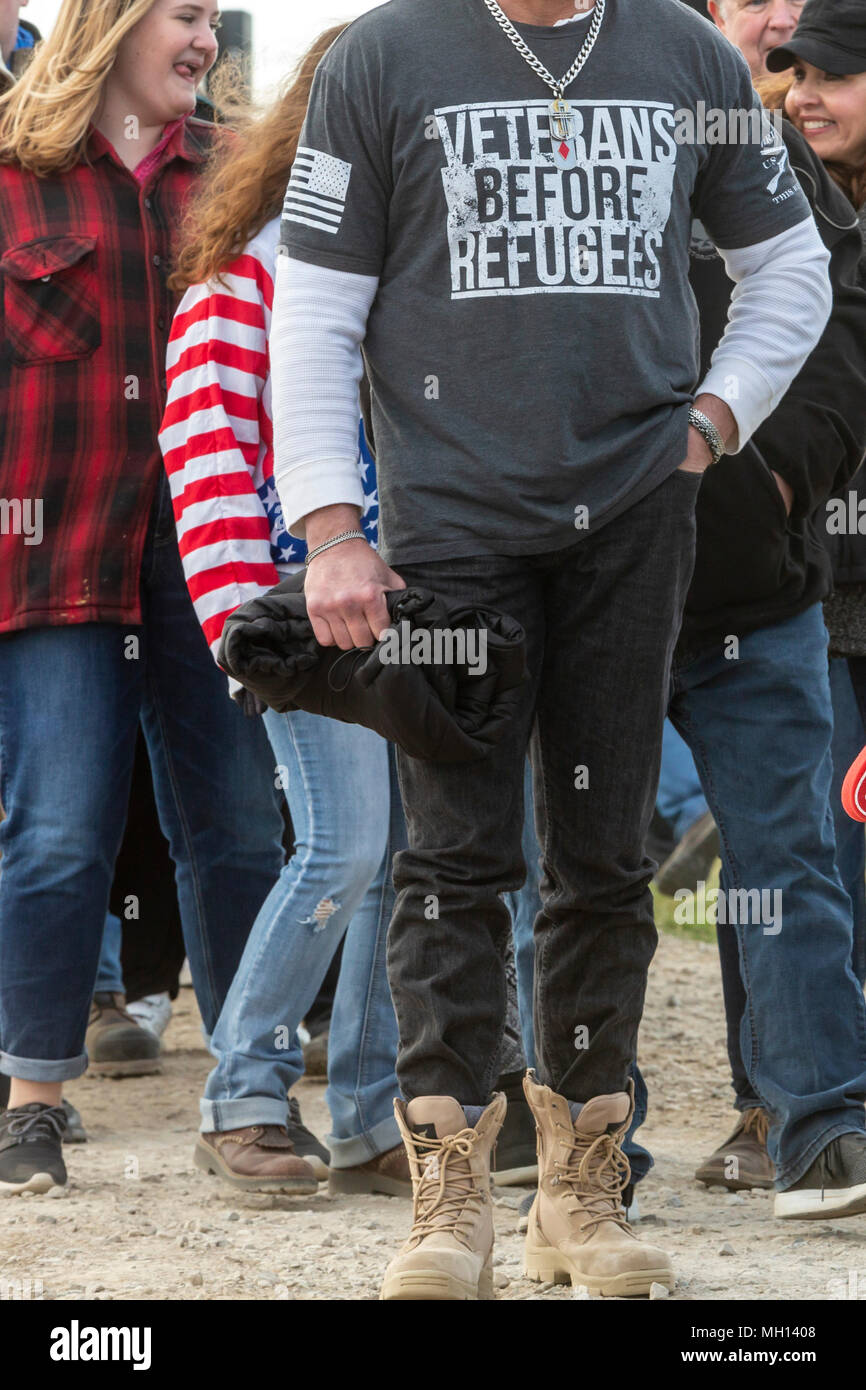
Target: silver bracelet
x=335, y=540
x=705, y=427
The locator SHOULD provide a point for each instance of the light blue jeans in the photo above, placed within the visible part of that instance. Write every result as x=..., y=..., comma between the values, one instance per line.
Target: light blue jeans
x=341, y=787
x=109, y=976
x=680, y=796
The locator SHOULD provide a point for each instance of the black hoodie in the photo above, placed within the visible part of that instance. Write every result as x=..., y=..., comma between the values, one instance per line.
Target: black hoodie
x=754, y=565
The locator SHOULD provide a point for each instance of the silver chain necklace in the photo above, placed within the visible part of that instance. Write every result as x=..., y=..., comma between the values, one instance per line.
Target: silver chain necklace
x=561, y=115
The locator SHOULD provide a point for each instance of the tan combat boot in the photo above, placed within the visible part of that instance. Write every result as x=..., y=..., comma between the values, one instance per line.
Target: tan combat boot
x=577, y=1227
x=449, y=1253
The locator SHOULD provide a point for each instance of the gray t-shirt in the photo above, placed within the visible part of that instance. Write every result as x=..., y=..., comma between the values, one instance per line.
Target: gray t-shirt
x=533, y=345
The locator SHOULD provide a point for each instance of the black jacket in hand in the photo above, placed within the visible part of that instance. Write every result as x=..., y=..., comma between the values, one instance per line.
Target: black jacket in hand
x=755, y=566
x=443, y=713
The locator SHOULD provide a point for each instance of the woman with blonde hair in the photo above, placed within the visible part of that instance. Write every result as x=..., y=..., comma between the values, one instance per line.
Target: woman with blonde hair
x=98, y=153
x=338, y=779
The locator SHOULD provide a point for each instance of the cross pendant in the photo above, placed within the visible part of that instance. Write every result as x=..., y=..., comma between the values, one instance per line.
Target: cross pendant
x=562, y=134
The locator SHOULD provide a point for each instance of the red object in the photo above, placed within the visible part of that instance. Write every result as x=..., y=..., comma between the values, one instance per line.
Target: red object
x=854, y=788
x=85, y=320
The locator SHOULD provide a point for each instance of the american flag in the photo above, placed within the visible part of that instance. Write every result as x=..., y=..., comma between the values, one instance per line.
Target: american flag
x=316, y=195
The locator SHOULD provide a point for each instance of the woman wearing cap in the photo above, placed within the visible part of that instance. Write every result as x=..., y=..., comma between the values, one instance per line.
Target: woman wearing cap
x=819, y=79
x=824, y=88
x=820, y=82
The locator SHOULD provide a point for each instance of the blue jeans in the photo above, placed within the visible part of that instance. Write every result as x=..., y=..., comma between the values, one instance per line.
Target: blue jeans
x=850, y=857
x=680, y=797
x=760, y=729
x=345, y=806
x=848, y=739
x=70, y=703
x=109, y=974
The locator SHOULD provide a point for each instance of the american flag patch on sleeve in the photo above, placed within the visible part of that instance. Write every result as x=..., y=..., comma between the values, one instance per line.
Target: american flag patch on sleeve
x=316, y=195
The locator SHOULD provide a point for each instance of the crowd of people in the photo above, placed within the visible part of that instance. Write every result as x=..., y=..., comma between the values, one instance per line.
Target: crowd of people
x=470, y=310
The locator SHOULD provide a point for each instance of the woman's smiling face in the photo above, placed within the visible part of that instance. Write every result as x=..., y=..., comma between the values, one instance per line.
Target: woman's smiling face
x=831, y=113
x=161, y=62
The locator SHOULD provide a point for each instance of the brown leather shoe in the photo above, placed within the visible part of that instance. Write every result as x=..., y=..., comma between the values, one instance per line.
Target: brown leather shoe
x=388, y=1172
x=117, y=1045
x=258, y=1158
x=742, y=1162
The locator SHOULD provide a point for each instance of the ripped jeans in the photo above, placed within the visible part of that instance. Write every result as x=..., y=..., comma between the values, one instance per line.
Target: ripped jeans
x=341, y=788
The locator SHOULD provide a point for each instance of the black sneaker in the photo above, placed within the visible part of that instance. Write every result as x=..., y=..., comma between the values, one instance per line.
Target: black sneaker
x=835, y=1184
x=75, y=1131
x=31, y=1157
x=306, y=1144
x=515, y=1160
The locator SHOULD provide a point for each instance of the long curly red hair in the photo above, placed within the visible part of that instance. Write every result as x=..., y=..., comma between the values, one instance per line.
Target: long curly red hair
x=245, y=183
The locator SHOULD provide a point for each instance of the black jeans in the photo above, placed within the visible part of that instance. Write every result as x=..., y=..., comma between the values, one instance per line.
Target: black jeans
x=601, y=620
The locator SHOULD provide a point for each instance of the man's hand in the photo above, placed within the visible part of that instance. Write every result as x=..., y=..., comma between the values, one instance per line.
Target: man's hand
x=345, y=586
x=699, y=456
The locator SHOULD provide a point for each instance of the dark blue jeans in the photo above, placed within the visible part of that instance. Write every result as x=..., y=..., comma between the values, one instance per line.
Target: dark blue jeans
x=760, y=728
x=601, y=619
x=681, y=799
x=70, y=702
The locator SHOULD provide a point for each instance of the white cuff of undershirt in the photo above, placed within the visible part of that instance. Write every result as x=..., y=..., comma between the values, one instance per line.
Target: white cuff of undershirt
x=779, y=309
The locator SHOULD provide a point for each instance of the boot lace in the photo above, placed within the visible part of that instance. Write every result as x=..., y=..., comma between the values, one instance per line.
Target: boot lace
x=757, y=1122
x=595, y=1174
x=447, y=1195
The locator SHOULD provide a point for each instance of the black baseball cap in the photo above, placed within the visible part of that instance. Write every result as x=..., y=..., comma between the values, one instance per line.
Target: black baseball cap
x=831, y=35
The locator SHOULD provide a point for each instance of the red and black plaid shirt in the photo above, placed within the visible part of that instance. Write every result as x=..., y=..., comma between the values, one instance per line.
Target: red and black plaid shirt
x=84, y=321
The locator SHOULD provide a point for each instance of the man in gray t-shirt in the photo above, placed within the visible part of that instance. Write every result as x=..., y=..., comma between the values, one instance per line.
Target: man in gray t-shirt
x=514, y=260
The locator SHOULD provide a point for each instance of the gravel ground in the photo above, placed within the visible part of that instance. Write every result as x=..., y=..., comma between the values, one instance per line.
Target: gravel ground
x=138, y=1221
